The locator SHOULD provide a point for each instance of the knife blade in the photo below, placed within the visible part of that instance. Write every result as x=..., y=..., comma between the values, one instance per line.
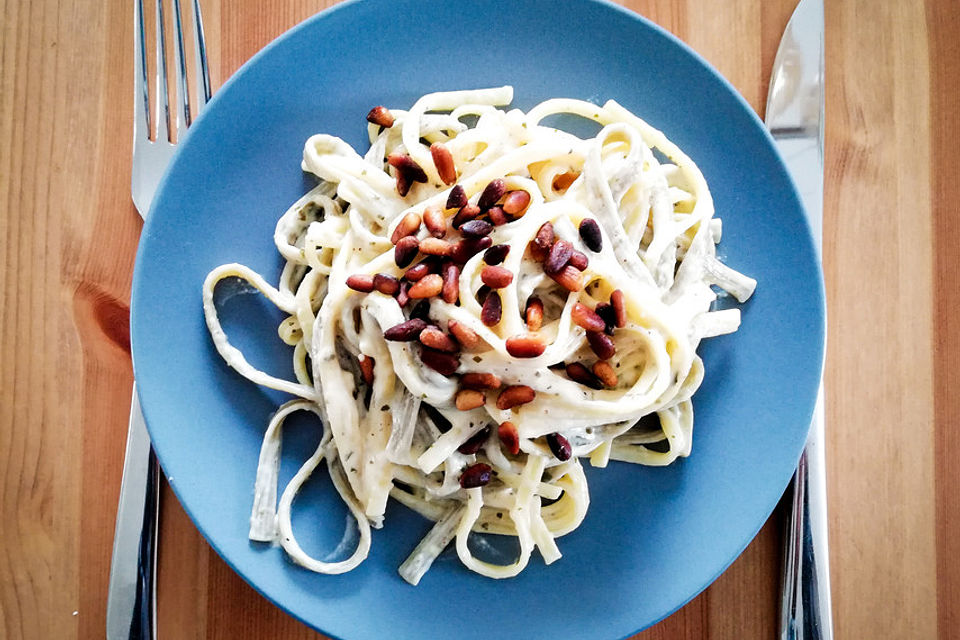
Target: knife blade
x=795, y=119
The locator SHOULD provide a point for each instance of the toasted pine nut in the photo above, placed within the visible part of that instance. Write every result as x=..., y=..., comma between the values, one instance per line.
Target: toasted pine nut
x=407, y=226
x=497, y=216
x=590, y=233
x=476, y=475
x=583, y=316
x=476, y=228
x=492, y=309
x=457, y=198
x=559, y=446
x=525, y=346
x=563, y=181
x=380, y=115
x=601, y=344
x=496, y=277
x=422, y=310
x=605, y=372
x=435, y=222
x=514, y=396
x=507, y=432
x=406, y=250
x=467, y=337
x=451, y=283
x=558, y=257
x=619, y=305
x=466, y=213
x=435, y=247
x=545, y=238
x=406, y=165
x=403, y=183
x=402, y=296
x=443, y=161
x=605, y=311
x=579, y=260
x=479, y=381
x=443, y=363
x=569, y=278
x=475, y=442
x=436, y=339
x=534, y=313
x=405, y=331
x=417, y=271
x=540, y=246
x=360, y=282
x=496, y=254
x=426, y=287
x=516, y=201
x=579, y=373
x=386, y=284
x=468, y=399
x=469, y=247
x=366, y=368
x=491, y=193
x=482, y=294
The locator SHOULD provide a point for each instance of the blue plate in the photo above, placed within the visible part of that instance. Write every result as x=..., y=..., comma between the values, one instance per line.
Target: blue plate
x=654, y=537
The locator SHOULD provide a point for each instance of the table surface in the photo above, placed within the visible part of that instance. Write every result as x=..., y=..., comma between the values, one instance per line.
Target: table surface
x=68, y=234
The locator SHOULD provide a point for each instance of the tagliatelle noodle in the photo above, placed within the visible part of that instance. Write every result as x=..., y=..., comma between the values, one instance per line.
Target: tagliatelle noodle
x=392, y=430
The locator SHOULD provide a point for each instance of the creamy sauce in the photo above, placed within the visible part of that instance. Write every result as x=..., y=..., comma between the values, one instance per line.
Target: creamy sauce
x=658, y=248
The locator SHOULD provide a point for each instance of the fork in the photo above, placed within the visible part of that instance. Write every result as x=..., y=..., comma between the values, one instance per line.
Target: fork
x=131, y=599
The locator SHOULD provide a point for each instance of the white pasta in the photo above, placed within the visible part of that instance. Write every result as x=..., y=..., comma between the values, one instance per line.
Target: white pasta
x=389, y=407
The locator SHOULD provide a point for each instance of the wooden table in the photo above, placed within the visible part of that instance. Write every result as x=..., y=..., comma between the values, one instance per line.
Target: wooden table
x=68, y=233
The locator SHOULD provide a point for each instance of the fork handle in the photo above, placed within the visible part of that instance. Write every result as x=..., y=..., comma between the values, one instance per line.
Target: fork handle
x=144, y=624
x=805, y=611
x=131, y=599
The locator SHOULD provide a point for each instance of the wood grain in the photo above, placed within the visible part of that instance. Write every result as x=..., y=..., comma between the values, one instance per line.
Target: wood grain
x=68, y=235
x=943, y=25
x=881, y=488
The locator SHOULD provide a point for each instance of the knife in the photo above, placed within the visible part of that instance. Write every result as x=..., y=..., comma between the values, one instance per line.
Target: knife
x=794, y=117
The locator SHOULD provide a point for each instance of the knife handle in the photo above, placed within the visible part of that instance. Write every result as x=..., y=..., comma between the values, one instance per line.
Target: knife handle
x=805, y=606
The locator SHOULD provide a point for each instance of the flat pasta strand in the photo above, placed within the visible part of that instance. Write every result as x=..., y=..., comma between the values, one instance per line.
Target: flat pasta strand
x=397, y=426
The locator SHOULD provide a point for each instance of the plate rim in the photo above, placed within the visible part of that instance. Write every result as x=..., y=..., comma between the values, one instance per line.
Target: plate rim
x=644, y=22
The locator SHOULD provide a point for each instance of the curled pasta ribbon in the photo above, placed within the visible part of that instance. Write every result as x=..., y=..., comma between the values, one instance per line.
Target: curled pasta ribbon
x=270, y=522
x=233, y=356
x=521, y=514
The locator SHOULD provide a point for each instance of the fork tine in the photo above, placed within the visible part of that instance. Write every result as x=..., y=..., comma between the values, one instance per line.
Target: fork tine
x=203, y=71
x=141, y=88
x=183, y=95
x=163, y=97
